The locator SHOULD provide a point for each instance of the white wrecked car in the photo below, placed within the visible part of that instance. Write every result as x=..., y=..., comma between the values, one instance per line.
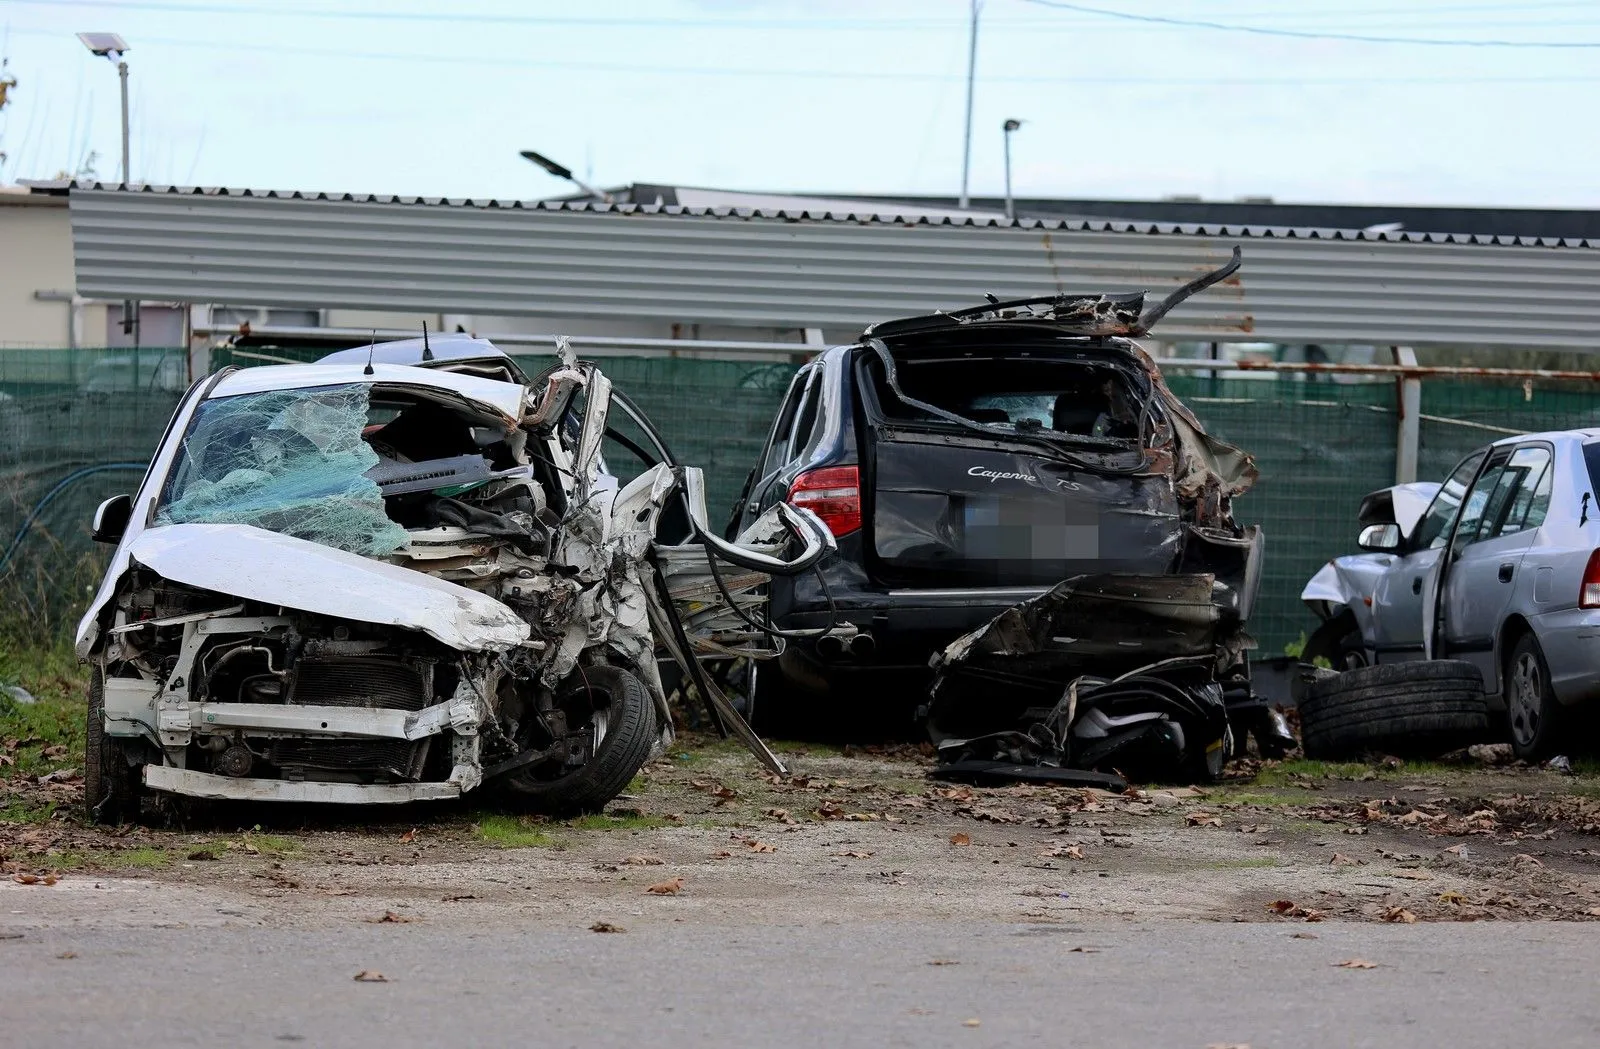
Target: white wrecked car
x=375, y=582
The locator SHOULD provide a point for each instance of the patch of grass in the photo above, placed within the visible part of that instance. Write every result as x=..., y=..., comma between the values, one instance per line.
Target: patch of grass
x=114, y=859
x=271, y=844
x=46, y=735
x=1281, y=774
x=606, y=821
x=1268, y=796
x=512, y=832
x=20, y=811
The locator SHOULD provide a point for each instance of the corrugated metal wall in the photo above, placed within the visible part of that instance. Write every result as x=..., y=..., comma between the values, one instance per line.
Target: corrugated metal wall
x=490, y=258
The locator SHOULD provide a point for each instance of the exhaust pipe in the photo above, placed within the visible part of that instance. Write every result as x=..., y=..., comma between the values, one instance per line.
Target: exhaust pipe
x=862, y=646
x=830, y=646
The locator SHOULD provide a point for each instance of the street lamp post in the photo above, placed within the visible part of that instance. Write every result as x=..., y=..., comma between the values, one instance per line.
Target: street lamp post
x=112, y=47
x=972, y=72
x=1010, y=126
x=564, y=172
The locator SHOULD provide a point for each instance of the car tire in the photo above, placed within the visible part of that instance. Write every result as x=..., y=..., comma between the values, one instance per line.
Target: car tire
x=1337, y=640
x=773, y=703
x=1535, y=717
x=112, y=783
x=1411, y=708
x=623, y=749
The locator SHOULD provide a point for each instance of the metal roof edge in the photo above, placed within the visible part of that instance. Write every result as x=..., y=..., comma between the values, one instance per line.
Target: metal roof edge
x=863, y=217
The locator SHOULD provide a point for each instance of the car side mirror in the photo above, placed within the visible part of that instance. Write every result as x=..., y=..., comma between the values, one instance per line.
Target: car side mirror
x=111, y=519
x=1380, y=538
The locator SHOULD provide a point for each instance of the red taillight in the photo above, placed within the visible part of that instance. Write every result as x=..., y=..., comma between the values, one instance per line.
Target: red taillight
x=833, y=494
x=1589, y=591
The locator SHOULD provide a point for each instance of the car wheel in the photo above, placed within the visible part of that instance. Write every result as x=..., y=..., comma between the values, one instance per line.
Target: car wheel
x=1339, y=641
x=624, y=720
x=1532, y=709
x=772, y=704
x=1417, y=707
x=112, y=783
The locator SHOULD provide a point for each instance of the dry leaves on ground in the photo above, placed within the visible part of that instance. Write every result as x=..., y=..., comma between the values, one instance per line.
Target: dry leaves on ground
x=390, y=918
x=1355, y=963
x=961, y=838
x=371, y=976
x=644, y=861
x=855, y=854
x=1399, y=914
x=34, y=879
x=1290, y=909
x=606, y=927
x=760, y=846
x=1066, y=852
x=1203, y=819
x=669, y=887
x=409, y=836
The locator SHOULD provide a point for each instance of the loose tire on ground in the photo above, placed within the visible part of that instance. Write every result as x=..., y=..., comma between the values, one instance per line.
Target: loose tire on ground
x=1412, y=708
x=630, y=732
x=112, y=786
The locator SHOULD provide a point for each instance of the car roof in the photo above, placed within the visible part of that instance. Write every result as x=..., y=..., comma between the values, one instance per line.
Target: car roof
x=1582, y=434
x=506, y=398
x=444, y=349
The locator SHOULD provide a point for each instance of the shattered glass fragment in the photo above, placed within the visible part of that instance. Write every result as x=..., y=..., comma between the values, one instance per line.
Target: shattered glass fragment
x=288, y=461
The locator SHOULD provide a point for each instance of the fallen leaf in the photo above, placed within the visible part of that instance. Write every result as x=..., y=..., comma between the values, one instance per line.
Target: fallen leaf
x=961, y=838
x=721, y=854
x=390, y=918
x=1066, y=852
x=669, y=887
x=26, y=879
x=1413, y=875
x=855, y=854
x=1203, y=819
x=1593, y=912
x=1304, y=936
x=1452, y=897
x=1399, y=914
x=1525, y=860
x=64, y=955
x=781, y=815
x=1083, y=950
x=458, y=899
x=1341, y=860
x=371, y=976
x=409, y=836
x=1355, y=963
x=760, y=846
x=944, y=961
x=606, y=927
x=644, y=861
x=974, y=1022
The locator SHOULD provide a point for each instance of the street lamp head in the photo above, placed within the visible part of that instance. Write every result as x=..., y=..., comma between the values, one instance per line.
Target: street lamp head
x=104, y=45
x=549, y=165
x=1012, y=125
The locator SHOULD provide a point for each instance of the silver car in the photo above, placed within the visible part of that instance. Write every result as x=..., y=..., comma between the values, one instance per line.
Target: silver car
x=1499, y=566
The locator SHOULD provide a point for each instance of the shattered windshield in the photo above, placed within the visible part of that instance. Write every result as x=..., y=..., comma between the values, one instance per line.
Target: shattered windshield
x=1028, y=394
x=289, y=461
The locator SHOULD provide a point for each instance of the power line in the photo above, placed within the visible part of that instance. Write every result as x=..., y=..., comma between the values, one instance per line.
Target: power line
x=1299, y=34
x=228, y=46
x=887, y=24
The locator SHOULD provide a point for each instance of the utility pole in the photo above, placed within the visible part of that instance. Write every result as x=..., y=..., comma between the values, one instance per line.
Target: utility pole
x=1009, y=127
x=122, y=74
x=972, y=69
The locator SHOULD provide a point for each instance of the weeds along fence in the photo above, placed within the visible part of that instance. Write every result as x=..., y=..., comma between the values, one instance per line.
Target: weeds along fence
x=77, y=426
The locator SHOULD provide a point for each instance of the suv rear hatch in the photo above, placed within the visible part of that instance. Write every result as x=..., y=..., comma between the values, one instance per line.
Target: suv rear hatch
x=1003, y=459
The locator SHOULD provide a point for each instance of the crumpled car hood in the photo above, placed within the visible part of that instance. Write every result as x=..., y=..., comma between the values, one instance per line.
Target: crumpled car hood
x=252, y=563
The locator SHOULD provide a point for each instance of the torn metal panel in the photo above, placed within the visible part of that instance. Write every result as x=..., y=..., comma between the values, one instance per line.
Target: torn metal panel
x=1109, y=673
x=248, y=562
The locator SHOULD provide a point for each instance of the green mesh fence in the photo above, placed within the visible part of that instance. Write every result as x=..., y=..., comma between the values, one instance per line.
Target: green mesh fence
x=78, y=426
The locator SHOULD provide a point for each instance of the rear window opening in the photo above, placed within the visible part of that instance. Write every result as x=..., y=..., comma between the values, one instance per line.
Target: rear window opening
x=1028, y=394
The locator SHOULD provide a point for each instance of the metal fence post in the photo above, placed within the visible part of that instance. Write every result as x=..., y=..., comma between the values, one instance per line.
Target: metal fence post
x=1408, y=434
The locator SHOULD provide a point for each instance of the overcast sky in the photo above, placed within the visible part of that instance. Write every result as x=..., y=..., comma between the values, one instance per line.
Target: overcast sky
x=866, y=96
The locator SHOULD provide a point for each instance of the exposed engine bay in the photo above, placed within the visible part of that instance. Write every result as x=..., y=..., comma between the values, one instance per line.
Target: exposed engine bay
x=392, y=583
